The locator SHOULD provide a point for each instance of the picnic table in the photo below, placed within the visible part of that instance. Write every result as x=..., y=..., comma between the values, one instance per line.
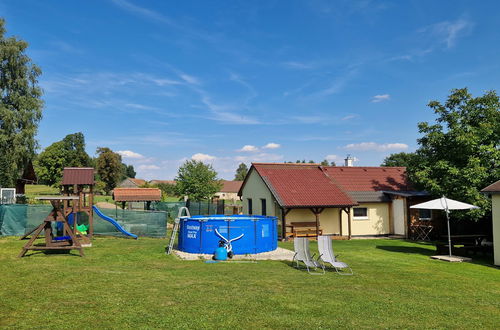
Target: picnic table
x=467, y=243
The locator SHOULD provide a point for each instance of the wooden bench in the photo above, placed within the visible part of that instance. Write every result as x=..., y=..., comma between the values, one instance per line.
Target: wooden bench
x=302, y=229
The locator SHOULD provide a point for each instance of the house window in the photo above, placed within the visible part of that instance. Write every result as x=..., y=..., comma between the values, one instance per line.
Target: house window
x=360, y=213
x=263, y=206
x=250, y=210
x=424, y=214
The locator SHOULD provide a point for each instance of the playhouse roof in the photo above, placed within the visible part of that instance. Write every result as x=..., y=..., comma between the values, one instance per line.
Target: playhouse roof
x=136, y=194
x=78, y=175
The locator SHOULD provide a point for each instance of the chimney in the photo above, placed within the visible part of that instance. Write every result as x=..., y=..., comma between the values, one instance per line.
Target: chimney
x=349, y=161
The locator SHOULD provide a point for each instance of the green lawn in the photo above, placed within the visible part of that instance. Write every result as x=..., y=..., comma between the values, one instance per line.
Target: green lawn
x=132, y=283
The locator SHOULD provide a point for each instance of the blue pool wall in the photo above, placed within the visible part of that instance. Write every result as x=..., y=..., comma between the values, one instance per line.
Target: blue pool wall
x=197, y=233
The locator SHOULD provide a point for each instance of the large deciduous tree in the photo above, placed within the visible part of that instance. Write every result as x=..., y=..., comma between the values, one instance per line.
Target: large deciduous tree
x=402, y=159
x=197, y=180
x=241, y=172
x=20, y=107
x=459, y=153
x=109, y=168
x=69, y=152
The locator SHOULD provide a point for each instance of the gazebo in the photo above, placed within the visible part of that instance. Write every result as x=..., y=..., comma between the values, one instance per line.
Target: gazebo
x=130, y=195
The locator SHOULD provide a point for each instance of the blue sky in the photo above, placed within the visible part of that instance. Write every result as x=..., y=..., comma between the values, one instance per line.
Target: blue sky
x=240, y=81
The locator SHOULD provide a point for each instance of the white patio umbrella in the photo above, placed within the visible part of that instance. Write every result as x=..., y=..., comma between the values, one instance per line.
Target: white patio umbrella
x=446, y=205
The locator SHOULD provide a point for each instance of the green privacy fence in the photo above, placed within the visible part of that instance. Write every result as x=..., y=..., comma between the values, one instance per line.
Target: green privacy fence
x=18, y=219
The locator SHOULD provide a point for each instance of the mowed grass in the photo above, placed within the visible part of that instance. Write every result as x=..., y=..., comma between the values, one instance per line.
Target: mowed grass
x=124, y=283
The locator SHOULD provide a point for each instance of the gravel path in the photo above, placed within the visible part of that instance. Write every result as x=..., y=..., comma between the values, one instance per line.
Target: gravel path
x=278, y=254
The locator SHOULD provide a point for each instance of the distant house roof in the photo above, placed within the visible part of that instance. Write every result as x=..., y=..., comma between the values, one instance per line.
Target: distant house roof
x=136, y=194
x=230, y=186
x=163, y=181
x=138, y=182
x=302, y=185
x=492, y=188
x=78, y=175
x=311, y=185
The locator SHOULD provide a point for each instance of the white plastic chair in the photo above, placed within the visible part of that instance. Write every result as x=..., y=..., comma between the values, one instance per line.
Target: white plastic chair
x=326, y=255
x=303, y=254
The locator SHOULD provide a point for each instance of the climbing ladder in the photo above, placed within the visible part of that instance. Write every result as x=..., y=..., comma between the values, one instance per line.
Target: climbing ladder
x=176, y=228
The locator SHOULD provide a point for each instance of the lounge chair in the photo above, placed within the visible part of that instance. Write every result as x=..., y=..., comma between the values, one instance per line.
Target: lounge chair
x=303, y=254
x=327, y=256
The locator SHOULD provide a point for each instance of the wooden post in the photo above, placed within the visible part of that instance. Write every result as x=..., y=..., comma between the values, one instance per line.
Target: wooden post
x=349, y=221
x=284, y=212
x=91, y=211
x=317, y=212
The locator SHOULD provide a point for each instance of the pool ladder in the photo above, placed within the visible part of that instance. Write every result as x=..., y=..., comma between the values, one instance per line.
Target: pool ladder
x=176, y=228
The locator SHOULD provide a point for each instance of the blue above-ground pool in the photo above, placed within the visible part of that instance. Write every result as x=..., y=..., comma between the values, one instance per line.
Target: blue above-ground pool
x=198, y=233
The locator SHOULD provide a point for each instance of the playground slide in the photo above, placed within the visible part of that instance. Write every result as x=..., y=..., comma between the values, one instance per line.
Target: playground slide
x=113, y=222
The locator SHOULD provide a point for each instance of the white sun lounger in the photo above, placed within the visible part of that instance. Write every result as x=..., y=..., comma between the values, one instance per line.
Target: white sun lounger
x=303, y=254
x=327, y=256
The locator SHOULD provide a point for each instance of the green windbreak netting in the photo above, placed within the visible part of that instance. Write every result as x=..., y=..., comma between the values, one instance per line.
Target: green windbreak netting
x=195, y=208
x=141, y=223
x=18, y=219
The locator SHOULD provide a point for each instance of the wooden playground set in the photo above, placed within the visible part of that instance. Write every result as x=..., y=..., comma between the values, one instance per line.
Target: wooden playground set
x=60, y=229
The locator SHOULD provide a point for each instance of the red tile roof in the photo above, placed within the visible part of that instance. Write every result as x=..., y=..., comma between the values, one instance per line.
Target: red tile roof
x=136, y=194
x=354, y=178
x=78, y=175
x=494, y=187
x=231, y=186
x=138, y=182
x=302, y=185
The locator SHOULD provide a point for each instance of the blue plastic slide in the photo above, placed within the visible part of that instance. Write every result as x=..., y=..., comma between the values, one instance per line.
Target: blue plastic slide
x=113, y=222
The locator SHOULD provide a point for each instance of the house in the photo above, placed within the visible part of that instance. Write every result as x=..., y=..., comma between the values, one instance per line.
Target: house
x=131, y=183
x=171, y=182
x=494, y=191
x=229, y=190
x=336, y=200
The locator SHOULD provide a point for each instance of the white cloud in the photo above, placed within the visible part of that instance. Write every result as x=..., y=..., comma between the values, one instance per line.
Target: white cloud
x=202, y=157
x=189, y=79
x=298, y=65
x=380, y=98
x=333, y=158
x=272, y=145
x=348, y=117
x=148, y=167
x=260, y=157
x=448, y=32
x=130, y=154
x=366, y=146
x=248, y=148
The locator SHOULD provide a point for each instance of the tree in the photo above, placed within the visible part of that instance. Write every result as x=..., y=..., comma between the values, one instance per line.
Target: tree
x=311, y=162
x=167, y=188
x=404, y=159
x=459, y=154
x=324, y=163
x=109, y=168
x=130, y=172
x=197, y=180
x=69, y=152
x=241, y=172
x=20, y=107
